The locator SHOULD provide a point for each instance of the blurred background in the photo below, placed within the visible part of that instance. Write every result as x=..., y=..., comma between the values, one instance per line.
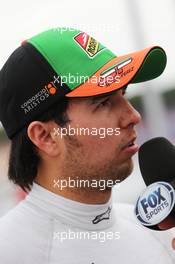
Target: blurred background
x=123, y=26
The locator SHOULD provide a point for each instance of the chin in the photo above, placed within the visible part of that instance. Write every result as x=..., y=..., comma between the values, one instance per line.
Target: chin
x=125, y=170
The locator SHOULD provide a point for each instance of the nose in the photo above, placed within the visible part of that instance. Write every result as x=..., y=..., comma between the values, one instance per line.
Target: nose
x=130, y=116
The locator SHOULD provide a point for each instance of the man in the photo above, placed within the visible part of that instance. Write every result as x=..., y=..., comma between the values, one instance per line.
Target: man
x=73, y=136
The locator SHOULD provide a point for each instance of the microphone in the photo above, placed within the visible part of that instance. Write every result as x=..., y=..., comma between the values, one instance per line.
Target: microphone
x=157, y=166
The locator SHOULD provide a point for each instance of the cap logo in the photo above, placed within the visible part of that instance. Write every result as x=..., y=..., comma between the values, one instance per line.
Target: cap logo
x=88, y=44
x=51, y=88
x=114, y=73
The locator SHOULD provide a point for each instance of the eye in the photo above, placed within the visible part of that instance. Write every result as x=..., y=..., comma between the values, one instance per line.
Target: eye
x=104, y=103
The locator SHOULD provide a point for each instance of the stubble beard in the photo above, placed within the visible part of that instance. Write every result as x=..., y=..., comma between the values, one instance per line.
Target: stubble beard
x=76, y=166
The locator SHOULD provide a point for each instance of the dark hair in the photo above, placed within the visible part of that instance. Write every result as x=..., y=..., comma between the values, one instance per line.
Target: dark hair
x=24, y=157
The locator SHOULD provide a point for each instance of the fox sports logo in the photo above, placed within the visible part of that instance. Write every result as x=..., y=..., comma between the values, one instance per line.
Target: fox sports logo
x=155, y=204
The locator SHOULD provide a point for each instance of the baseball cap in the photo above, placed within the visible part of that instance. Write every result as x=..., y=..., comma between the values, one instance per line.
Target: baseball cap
x=66, y=62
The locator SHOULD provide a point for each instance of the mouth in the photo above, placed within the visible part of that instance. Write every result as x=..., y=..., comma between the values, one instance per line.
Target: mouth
x=131, y=147
x=131, y=143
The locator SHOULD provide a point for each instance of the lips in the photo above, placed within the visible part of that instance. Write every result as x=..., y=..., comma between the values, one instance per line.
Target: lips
x=130, y=143
x=131, y=147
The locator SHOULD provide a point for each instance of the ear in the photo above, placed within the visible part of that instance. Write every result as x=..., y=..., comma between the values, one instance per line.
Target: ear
x=41, y=134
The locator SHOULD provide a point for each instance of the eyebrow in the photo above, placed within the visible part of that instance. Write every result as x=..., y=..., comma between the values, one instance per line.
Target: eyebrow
x=98, y=98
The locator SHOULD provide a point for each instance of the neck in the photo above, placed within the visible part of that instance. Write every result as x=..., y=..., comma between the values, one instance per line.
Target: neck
x=72, y=213
x=82, y=195
x=47, y=177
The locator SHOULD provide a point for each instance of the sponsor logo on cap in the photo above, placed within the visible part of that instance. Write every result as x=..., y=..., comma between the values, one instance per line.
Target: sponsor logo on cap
x=51, y=88
x=88, y=44
x=155, y=204
x=114, y=73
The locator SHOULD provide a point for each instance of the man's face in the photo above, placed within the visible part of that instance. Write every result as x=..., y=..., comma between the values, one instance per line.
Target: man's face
x=100, y=157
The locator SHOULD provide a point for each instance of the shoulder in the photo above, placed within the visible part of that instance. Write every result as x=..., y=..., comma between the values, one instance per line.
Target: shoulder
x=19, y=229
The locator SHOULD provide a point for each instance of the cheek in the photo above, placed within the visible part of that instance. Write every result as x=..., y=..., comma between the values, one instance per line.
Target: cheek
x=99, y=144
x=99, y=136
x=101, y=149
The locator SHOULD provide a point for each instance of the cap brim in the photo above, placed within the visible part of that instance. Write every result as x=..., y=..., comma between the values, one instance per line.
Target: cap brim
x=136, y=67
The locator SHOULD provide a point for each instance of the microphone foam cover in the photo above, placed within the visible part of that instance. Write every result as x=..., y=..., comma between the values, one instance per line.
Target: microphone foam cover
x=157, y=160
